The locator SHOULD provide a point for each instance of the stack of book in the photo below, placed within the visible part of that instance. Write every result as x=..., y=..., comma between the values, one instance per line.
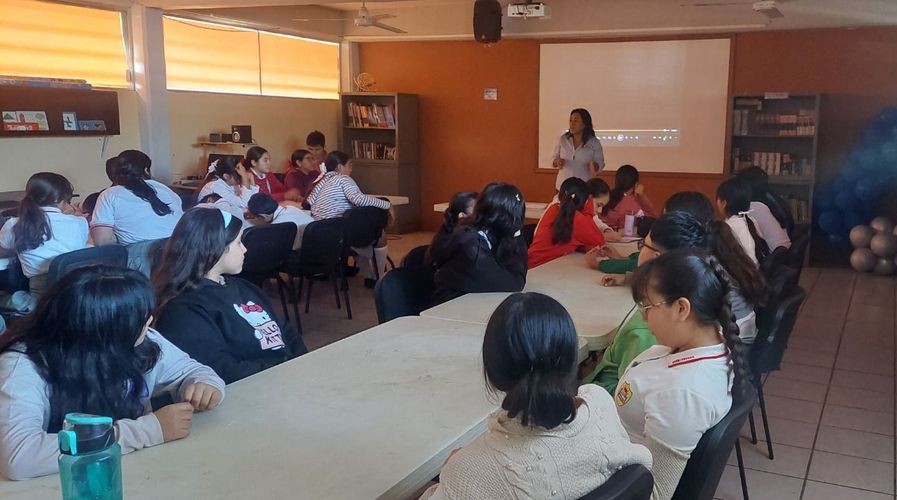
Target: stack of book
x=751, y=122
x=371, y=116
x=33, y=81
x=773, y=162
x=373, y=151
x=799, y=210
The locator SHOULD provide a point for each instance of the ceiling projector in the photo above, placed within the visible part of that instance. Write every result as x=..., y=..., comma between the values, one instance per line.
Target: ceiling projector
x=528, y=9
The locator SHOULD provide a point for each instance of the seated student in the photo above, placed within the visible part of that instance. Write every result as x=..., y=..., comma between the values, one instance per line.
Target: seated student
x=316, y=144
x=772, y=220
x=221, y=320
x=258, y=164
x=265, y=208
x=487, y=253
x=42, y=230
x=459, y=210
x=733, y=202
x=89, y=349
x=565, y=226
x=214, y=200
x=675, y=391
x=600, y=193
x=549, y=436
x=230, y=181
x=302, y=174
x=88, y=205
x=627, y=197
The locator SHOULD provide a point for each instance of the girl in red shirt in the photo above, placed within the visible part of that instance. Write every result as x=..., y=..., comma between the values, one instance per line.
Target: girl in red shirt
x=565, y=226
x=258, y=163
x=627, y=196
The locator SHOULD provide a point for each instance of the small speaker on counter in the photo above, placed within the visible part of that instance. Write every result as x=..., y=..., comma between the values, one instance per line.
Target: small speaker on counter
x=213, y=137
x=487, y=21
x=241, y=133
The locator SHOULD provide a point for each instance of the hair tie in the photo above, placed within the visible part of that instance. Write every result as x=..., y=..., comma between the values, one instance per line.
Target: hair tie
x=227, y=216
x=745, y=213
x=572, y=196
x=517, y=196
x=213, y=167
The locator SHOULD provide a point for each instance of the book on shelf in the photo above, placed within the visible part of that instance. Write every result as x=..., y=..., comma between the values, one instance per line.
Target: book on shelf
x=799, y=210
x=371, y=116
x=774, y=163
x=748, y=121
x=373, y=151
x=34, y=81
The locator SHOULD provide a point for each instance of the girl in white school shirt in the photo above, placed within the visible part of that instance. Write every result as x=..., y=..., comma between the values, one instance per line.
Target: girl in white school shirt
x=733, y=201
x=675, y=391
x=231, y=181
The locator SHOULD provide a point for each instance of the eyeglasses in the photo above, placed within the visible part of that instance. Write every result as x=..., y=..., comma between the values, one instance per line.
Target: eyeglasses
x=643, y=308
x=649, y=247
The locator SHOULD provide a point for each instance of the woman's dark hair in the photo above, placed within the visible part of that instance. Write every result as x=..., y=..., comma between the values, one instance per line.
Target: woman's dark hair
x=210, y=198
x=758, y=180
x=335, y=159
x=315, y=138
x=737, y=195
x=588, y=129
x=138, y=158
x=254, y=153
x=499, y=212
x=572, y=196
x=697, y=276
x=197, y=242
x=692, y=202
x=111, y=165
x=298, y=156
x=81, y=339
x=262, y=204
x=675, y=230
x=131, y=172
x=44, y=189
x=530, y=353
x=597, y=187
x=456, y=207
x=624, y=181
x=90, y=203
x=224, y=166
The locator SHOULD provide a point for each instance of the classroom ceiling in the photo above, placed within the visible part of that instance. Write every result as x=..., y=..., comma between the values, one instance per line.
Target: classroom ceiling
x=452, y=19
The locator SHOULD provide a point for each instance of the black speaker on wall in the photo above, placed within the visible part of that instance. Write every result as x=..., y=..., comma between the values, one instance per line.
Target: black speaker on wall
x=487, y=21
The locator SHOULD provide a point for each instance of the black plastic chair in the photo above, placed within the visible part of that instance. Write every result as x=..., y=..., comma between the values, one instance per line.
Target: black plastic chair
x=107, y=255
x=12, y=279
x=416, y=258
x=771, y=264
x=797, y=254
x=267, y=247
x=633, y=482
x=364, y=228
x=708, y=460
x=777, y=288
x=403, y=292
x=321, y=254
x=769, y=348
x=528, y=232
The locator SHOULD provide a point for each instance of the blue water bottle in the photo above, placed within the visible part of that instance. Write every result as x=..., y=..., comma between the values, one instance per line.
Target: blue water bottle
x=90, y=460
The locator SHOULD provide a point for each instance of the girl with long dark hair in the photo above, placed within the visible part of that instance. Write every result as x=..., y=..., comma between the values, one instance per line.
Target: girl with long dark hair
x=627, y=197
x=578, y=152
x=258, y=164
x=565, y=226
x=773, y=221
x=551, y=434
x=302, y=174
x=230, y=181
x=136, y=208
x=459, y=210
x=487, y=254
x=89, y=349
x=43, y=230
x=675, y=391
x=733, y=201
x=219, y=319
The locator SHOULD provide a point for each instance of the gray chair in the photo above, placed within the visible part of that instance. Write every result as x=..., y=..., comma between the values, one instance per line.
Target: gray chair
x=633, y=482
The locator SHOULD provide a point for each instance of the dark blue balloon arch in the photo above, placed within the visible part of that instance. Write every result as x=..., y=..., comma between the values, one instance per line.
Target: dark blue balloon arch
x=870, y=169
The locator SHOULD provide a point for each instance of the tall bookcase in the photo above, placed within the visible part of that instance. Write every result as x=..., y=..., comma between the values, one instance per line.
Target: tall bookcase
x=379, y=132
x=779, y=132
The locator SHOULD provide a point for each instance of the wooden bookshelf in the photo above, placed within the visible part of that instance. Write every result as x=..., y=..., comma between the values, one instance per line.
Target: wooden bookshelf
x=87, y=104
x=391, y=124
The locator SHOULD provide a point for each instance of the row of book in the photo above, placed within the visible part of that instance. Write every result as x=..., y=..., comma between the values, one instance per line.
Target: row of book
x=33, y=81
x=800, y=209
x=773, y=162
x=373, y=151
x=751, y=122
x=371, y=116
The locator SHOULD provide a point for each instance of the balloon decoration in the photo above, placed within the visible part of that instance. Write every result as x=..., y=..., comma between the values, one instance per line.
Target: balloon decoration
x=848, y=201
x=875, y=248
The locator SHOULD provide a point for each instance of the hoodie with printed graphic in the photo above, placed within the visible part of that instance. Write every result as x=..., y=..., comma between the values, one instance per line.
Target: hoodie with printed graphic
x=230, y=328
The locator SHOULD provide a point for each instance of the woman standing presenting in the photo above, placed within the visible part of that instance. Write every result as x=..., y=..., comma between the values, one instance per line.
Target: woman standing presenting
x=579, y=152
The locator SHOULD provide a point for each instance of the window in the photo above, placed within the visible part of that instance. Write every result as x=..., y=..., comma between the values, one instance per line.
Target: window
x=63, y=41
x=209, y=57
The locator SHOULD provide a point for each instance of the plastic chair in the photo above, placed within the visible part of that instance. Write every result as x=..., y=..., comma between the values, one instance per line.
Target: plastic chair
x=416, y=258
x=267, y=247
x=403, y=292
x=777, y=288
x=797, y=254
x=633, y=482
x=769, y=348
x=323, y=247
x=775, y=260
x=528, y=232
x=364, y=227
x=708, y=460
x=109, y=255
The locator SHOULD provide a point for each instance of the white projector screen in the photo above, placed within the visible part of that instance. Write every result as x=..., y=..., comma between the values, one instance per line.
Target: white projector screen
x=660, y=106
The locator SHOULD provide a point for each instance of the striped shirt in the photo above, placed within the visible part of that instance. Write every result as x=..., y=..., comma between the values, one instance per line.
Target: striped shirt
x=335, y=193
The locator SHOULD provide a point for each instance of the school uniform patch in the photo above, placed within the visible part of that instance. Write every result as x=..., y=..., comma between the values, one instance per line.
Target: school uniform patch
x=624, y=394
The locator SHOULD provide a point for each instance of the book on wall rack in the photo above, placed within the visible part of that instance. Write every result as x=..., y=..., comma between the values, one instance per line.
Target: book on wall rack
x=371, y=116
x=373, y=151
x=774, y=163
x=752, y=121
x=34, y=81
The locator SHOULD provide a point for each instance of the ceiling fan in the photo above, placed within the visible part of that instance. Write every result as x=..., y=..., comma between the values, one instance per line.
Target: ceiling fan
x=769, y=8
x=363, y=19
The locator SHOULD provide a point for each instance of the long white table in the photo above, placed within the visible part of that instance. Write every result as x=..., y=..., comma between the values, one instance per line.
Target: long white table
x=596, y=310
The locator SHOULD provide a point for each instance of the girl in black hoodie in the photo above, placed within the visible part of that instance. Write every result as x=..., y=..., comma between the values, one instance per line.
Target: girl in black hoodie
x=221, y=321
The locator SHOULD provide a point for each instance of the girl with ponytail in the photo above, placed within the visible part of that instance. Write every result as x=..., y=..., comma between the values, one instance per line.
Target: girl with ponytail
x=566, y=226
x=547, y=429
x=229, y=180
x=257, y=163
x=733, y=201
x=42, y=230
x=675, y=391
x=627, y=196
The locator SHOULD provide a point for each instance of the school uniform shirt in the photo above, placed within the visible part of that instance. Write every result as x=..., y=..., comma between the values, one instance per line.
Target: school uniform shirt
x=773, y=232
x=631, y=339
x=28, y=448
x=301, y=218
x=230, y=327
x=584, y=234
x=631, y=203
x=468, y=263
x=335, y=193
x=67, y=234
x=301, y=181
x=667, y=401
x=576, y=160
x=269, y=184
x=512, y=461
x=739, y=226
x=133, y=219
x=228, y=193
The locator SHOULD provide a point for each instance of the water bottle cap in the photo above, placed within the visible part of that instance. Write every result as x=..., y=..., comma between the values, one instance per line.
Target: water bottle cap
x=82, y=433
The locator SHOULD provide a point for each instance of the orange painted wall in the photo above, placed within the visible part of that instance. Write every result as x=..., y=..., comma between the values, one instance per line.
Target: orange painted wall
x=467, y=142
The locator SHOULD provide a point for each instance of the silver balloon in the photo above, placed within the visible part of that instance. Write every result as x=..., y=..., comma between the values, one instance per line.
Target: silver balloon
x=885, y=267
x=884, y=245
x=863, y=260
x=882, y=224
x=861, y=236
